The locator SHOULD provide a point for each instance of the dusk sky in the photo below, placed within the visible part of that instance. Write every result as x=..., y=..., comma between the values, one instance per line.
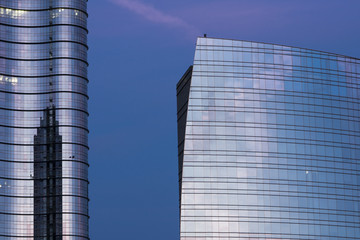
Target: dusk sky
x=138, y=52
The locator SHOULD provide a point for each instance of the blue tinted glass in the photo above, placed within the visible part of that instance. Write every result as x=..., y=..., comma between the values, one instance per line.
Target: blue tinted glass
x=271, y=151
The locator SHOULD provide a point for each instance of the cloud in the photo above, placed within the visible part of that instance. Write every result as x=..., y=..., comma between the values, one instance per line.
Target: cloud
x=154, y=15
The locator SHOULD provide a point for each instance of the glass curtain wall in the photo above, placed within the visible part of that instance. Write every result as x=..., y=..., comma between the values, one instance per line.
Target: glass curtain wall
x=269, y=143
x=43, y=120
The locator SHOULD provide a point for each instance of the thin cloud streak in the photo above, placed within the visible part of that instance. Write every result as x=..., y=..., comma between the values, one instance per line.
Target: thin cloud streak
x=154, y=15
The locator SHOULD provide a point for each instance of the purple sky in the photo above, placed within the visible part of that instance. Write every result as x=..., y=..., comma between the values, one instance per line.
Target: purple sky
x=138, y=52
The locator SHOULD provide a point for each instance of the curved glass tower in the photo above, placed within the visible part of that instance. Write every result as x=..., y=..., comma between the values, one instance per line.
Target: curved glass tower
x=269, y=143
x=43, y=120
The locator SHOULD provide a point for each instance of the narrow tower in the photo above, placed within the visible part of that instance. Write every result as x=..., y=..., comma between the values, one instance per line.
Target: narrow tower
x=48, y=178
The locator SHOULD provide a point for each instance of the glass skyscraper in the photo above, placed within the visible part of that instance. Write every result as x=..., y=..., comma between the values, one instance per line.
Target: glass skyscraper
x=43, y=120
x=269, y=143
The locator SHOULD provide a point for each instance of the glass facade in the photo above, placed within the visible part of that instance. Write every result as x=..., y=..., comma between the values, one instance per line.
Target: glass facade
x=43, y=120
x=269, y=143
